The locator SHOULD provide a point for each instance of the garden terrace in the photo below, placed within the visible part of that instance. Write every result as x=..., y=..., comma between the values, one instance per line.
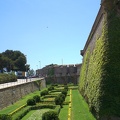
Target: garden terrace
x=21, y=111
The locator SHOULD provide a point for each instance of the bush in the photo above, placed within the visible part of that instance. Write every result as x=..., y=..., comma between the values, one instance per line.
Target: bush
x=66, y=87
x=5, y=117
x=62, y=96
x=57, y=109
x=36, y=98
x=50, y=115
x=31, y=102
x=44, y=92
x=36, y=107
x=59, y=99
x=5, y=78
x=64, y=92
x=51, y=88
x=54, y=84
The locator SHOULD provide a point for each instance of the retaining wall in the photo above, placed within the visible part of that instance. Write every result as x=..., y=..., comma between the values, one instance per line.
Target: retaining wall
x=12, y=94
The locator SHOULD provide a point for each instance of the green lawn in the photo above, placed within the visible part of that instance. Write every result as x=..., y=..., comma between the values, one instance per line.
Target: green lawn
x=35, y=114
x=63, y=115
x=19, y=103
x=80, y=110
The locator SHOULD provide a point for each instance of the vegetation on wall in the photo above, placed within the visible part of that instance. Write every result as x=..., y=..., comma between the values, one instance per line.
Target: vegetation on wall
x=83, y=74
x=100, y=72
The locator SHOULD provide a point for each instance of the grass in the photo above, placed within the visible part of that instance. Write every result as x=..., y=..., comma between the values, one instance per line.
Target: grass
x=55, y=93
x=35, y=114
x=80, y=110
x=49, y=99
x=15, y=116
x=63, y=115
x=19, y=103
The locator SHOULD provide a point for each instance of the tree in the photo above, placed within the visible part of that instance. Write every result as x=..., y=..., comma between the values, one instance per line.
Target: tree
x=13, y=60
x=31, y=72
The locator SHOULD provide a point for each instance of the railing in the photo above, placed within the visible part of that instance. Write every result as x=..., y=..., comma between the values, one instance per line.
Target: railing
x=18, y=82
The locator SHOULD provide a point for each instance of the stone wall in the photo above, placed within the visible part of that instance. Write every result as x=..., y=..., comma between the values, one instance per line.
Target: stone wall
x=95, y=32
x=12, y=94
x=61, y=74
x=100, y=72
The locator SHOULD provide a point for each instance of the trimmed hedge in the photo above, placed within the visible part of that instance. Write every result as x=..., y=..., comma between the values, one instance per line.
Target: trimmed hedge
x=44, y=92
x=51, y=88
x=20, y=114
x=57, y=109
x=64, y=92
x=36, y=98
x=31, y=102
x=60, y=99
x=5, y=117
x=100, y=72
x=13, y=112
x=50, y=115
x=36, y=107
x=66, y=87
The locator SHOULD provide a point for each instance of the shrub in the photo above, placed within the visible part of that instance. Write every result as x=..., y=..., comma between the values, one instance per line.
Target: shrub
x=44, y=92
x=59, y=99
x=5, y=78
x=36, y=107
x=5, y=117
x=57, y=109
x=36, y=98
x=62, y=96
x=54, y=84
x=66, y=87
x=50, y=115
x=64, y=92
x=31, y=102
x=51, y=88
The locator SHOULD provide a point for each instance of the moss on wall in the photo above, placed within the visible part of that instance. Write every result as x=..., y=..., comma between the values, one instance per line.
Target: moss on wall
x=100, y=73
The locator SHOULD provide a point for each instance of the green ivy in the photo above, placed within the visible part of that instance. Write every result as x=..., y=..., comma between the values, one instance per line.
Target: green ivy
x=100, y=73
x=83, y=73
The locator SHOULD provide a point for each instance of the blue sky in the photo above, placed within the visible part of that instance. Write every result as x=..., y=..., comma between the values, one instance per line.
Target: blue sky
x=48, y=31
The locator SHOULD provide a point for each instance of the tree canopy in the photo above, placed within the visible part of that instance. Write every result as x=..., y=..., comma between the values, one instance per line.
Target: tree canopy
x=13, y=60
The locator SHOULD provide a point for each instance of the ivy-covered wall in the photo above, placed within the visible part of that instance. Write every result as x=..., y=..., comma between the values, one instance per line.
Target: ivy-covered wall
x=100, y=73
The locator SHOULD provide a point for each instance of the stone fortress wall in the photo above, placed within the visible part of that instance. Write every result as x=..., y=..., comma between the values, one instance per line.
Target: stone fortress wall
x=61, y=74
x=100, y=80
x=95, y=33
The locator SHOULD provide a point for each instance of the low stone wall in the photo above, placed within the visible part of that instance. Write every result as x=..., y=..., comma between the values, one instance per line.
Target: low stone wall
x=12, y=94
